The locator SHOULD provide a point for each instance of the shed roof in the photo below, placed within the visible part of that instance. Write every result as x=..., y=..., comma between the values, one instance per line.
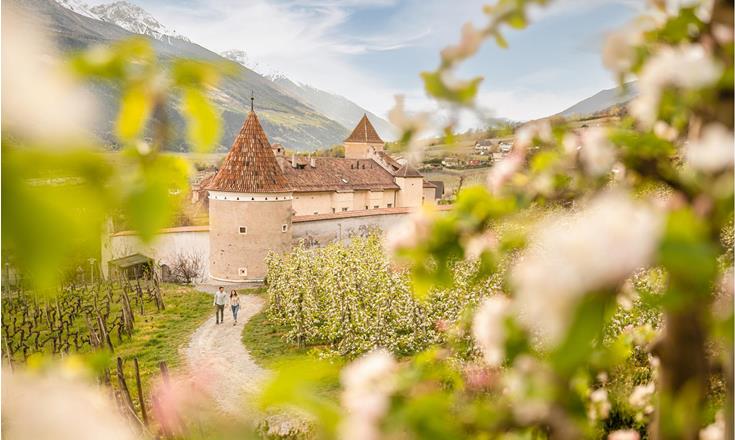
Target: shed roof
x=130, y=260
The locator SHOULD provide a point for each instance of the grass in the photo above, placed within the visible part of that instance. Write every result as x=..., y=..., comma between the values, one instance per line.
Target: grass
x=160, y=336
x=265, y=341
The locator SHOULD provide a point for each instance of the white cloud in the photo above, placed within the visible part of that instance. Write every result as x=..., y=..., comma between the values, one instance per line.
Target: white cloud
x=299, y=38
x=316, y=42
x=525, y=104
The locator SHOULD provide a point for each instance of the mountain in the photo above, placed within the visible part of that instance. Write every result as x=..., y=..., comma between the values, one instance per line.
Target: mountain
x=285, y=119
x=335, y=107
x=241, y=57
x=135, y=19
x=602, y=101
x=78, y=7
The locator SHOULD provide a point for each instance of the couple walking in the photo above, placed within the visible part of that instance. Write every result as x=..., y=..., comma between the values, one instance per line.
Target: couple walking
x=221, y=300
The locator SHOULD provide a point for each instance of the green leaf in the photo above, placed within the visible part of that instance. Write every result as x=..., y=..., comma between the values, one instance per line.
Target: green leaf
x=135, y=109
x=461, y=94
x=500, y=40
x=203, y=122
x=154, y=194
x=517, y=21
x=586, y=327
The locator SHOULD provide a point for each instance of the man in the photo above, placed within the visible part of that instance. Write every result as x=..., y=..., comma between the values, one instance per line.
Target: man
x=220, y=299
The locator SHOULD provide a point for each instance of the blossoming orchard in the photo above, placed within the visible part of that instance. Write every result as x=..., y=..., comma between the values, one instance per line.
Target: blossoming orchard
x=583, y=290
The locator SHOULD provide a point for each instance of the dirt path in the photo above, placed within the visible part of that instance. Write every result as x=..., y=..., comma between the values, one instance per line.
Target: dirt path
x=218, y=349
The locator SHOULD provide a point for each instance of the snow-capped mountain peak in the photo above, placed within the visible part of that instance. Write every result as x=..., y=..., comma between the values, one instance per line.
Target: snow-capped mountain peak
x=79, y=7
x=242, y=58
x=135, y=19
x=126, y=15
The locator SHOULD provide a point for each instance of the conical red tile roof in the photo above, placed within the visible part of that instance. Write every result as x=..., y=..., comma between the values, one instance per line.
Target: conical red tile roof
x=364, y=132
x=250, y=166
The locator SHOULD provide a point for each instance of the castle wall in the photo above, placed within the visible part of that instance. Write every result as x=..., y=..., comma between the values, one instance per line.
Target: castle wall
x=240, y=256
x=430, y=195
x=319, y=232
x=389, y=199
x=192, y=241
x=360, y=150
x=411, y=193
x=312, y=202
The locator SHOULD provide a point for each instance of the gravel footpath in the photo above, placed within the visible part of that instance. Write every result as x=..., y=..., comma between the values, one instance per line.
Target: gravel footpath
x=218, y=349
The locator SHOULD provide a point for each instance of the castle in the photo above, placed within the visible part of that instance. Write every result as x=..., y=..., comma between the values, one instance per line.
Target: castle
x=260, y=201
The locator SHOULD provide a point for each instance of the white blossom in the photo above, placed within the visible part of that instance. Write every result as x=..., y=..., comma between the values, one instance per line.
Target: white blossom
x=628, y=434
x=618, y=52
x=488, y=328
x=686, y=67
x=502, y=171
x=40, y=99
x=715, y=431
x=417, y=124
x=43, y=407
x=713, y=151
x=408, y=233
x=599, y=408
x=665, y=131
x=597, y=153
x=640, y=398
x=468, y=44
x=527, y=133
x=367, y=383
x=578, y=253
x=478, y=244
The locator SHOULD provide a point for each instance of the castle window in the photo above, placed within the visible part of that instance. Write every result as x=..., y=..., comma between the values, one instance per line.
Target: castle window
x=243, y=271
x=284, y=227
x=376, y=206
x=390, y=205
x=238, y=198
x=316, y=212
x=243, y=229
x=344, y=209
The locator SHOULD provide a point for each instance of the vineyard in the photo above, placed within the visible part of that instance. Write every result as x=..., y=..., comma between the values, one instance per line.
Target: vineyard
x=351, y=300
x=132, y=327
x=80, y=318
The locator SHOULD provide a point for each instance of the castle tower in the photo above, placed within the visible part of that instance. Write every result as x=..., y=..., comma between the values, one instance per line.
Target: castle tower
x=249, y=208
x=362, y=138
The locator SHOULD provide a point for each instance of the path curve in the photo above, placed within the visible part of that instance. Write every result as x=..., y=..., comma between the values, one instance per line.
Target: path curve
x=218, y=349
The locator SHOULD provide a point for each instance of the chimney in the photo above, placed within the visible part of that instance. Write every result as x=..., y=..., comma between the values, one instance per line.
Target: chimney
x=293, y=160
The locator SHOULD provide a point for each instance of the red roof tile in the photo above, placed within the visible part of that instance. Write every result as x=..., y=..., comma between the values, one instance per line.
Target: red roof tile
x=336, y=174
x=364, y=132
x=250, y=166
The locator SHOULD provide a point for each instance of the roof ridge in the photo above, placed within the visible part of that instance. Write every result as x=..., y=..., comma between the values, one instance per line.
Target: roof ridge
x=250, y=165
x=364, y=132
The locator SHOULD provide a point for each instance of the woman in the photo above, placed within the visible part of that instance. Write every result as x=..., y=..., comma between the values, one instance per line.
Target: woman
x=235, y=305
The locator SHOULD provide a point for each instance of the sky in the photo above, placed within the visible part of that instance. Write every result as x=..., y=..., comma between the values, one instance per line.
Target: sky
x=371, y=50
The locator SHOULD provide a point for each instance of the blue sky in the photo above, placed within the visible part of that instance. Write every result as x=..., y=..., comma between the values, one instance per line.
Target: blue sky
x=370, y=50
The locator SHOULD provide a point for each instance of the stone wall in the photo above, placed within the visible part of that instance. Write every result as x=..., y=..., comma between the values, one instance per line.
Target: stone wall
x=164, y=249
x=319, y=232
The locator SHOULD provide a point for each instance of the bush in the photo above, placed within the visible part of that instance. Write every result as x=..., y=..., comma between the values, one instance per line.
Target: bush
x=350, y=299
